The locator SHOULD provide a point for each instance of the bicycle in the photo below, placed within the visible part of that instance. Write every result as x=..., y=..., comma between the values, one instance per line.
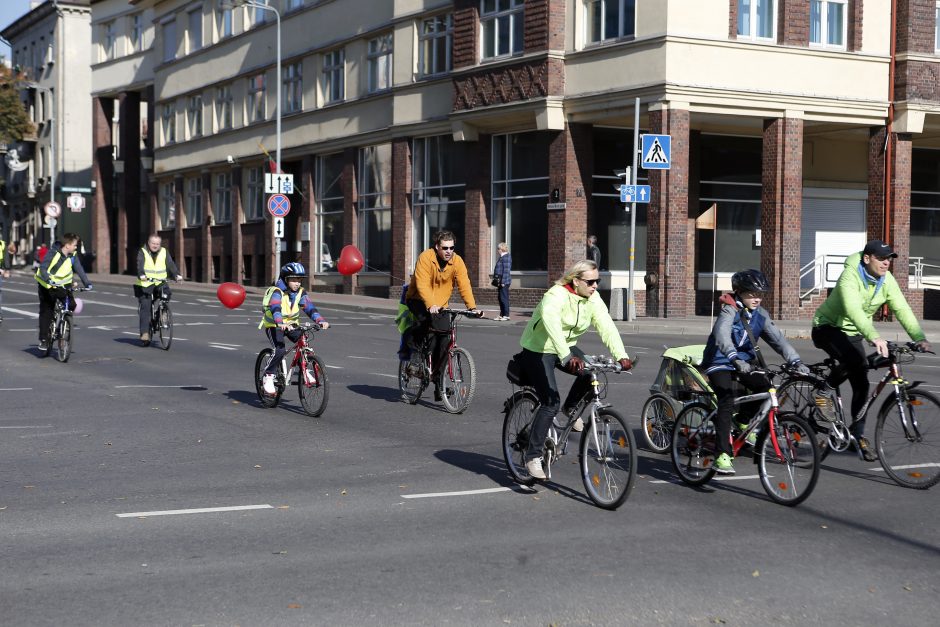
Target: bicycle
x=457, y=377
x=312, y=381
x=607, y=451
x=904, y=418
x=784, y=445
x=60, y=329
x=161, y=318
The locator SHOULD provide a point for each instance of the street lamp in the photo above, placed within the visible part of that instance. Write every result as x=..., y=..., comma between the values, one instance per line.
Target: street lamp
x=52, y=172
x=230, y=4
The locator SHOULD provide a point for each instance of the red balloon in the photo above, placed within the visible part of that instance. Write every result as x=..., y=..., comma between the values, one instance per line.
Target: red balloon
x=350, y=260
x=232, y=295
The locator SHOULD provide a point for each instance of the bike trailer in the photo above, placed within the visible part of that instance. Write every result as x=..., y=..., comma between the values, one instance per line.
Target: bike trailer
x=679, y=376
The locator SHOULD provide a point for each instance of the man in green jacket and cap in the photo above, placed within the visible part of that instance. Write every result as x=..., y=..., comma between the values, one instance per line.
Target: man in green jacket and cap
x=845, y=319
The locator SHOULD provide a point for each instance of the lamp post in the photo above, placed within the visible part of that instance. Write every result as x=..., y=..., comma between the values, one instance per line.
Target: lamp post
x=230, y=4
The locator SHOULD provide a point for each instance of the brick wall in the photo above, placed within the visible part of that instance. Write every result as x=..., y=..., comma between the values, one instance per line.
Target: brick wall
x=732, y=19
x=402, y=234
x=570, y=162
x=855, y=14
x=103, y=176
x=466, y=33
x=350, y=218
x=781, y=214
x=793, y=22
x=507, y=84
x=544, y=25
x=915, y=19
x=478, y=246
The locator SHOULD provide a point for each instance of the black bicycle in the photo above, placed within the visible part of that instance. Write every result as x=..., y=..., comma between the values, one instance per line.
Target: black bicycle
x=161, y=318
x=60, y=329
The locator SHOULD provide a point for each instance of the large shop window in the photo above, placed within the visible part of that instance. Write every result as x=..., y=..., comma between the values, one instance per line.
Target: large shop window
x=925, y=209
x=608, y=218
x=502, y=22
x=757, y=19
x=610, y=19
x=520, y=193
x=438, y=192
x=730, y=179
x=375, y=206
x=223, y=198
x=329, y=209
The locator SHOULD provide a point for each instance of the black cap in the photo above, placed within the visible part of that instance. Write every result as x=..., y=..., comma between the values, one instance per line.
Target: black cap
x=879, y=249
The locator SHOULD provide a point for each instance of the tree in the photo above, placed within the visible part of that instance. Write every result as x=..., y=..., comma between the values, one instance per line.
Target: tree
x=14, y=121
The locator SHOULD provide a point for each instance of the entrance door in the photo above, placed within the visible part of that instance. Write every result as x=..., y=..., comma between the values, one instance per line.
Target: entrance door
x=833, y=228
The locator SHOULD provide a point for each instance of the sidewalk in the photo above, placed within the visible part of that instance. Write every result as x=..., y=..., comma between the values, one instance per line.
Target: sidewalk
x=696, y=328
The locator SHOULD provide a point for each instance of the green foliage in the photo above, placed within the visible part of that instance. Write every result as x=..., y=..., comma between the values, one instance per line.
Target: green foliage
x=14, y=121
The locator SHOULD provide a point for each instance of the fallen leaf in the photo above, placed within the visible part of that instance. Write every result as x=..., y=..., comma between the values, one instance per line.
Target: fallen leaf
x=756, y=573
x=283, y=506
x=871, y=589
x=294, y=606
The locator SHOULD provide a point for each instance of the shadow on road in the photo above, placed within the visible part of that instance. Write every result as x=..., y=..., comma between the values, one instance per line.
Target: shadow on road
x=392, y=395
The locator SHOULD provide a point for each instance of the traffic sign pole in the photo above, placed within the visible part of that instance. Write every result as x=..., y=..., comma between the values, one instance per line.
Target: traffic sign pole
x=631, y=302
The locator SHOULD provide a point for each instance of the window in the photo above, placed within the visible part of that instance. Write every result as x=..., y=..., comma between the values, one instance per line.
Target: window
x=108, y=37
x=223, y=23
x=223, y=198
x=258, y=15
x=195, y=30
x=502, y=23
x=254, y=194
x=520, y=187
x=293, y=87
x=827, y=23
x=925, y=209
x=333, y=75
x=168, y=118
x=194, y=202
x=167, y=205
x=194, y=115
x=438, y=192
x=435, y=42
x=375, y=206
x=293, y=5
x=756, y=19
x=169, y=40
x=380, y=63
x=610, y=19
x=224, y=106
x=329, y=209
x=137, y=32
x=255, y=102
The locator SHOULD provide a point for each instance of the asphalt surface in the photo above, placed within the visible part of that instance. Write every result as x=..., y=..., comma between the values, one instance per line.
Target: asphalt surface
x=385, y=513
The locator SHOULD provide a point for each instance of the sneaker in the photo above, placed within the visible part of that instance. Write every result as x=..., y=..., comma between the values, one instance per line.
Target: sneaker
x=43, y=345
x=145, y=337
x=438, y=397
x=825, y=401
x=567, y=415
x=534, y=468
x=267, y=384
x=751, y=439
x=724, y=464
x=863, y=447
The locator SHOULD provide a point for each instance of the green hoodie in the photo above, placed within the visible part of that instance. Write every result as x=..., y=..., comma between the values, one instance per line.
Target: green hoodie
x=855, y=300
x=561, y=317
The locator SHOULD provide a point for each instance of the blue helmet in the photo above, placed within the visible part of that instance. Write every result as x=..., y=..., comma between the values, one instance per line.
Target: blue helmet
x=294, y=268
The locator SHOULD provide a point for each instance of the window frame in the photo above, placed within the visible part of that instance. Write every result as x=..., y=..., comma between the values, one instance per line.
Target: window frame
x=753, y=21
x=492, y=19
x=222, y=209
x=194, y=116
x=374, y=198
x=194, y=35
x=334, y=76
x=224, y=23
x=109, y=40
x=601, y=5
x=167, y=205
x=254, y=194
x=323, y=186
x=168, y=122
x=426, y=153
x=292, y=87
x=379, y=49
x=255, y=106
x=824, y=24
x=430, y=39
x=170, y=48
x=224, y=108
x=136, y=31
x=194, y=209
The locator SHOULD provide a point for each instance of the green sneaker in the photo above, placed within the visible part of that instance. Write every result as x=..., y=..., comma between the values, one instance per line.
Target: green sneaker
x=724, y=464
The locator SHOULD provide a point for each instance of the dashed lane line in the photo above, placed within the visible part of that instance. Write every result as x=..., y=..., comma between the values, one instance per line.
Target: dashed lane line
x=200, y=510
x=430, y=495
x=22, y=312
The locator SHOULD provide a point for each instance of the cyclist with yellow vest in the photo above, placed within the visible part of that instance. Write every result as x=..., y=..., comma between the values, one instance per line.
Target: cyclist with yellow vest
x=6, y=252
x=55, y=274
x=154, y=266
x=282, y=305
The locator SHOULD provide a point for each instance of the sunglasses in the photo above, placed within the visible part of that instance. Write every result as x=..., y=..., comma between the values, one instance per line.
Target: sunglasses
x=592, y=281
x=447, y=247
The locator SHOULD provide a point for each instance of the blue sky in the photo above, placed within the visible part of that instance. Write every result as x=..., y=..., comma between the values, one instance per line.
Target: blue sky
x=10, y=11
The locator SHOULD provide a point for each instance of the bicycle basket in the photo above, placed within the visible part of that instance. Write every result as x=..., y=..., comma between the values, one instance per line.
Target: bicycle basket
x=679, y=376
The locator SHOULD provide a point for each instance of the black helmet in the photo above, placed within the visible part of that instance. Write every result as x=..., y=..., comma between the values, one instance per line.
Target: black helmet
x=749, y=281
x=294, y=268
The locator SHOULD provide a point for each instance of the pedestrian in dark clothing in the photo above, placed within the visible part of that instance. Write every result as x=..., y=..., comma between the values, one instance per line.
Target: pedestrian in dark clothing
x=593, y=252
x=502, y=272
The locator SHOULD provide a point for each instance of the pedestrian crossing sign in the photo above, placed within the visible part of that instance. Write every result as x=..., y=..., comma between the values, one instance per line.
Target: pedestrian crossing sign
x=656, y=152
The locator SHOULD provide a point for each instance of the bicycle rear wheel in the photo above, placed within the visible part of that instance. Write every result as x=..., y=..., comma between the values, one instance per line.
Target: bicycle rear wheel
x=912, y=457
x=693, y=445
x=608, y=459
x=313, y=386
x=796, y=396
x=458, y=381
x=63, y=343
x=520, y=410
x=50, y=340
x=411, y=378
x=164, y=324
x=267, y=400
x=789, y=476
x=659, y=418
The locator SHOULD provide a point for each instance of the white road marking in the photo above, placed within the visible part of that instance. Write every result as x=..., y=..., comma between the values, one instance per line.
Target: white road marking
x=225, y=348
x=21, y=330
x=20, y=311
x=382, y=374
x=188, y=385
x=27, y=427
x=924, y=465
x=14, y=389
x=226, y=344
x=357, y=357
x=201, y=510
x=459, y=493
x=328, y=366
x=46, y=435
x=727, y=478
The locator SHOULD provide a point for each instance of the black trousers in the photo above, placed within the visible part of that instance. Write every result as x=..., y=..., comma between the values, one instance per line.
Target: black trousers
x=47, y=300
x=144, y=294
x=722, y=381
x=849, y=351
x=435, y=325
x=277, y=336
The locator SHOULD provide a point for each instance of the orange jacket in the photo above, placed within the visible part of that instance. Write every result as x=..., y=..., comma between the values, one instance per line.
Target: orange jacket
x=434, y=285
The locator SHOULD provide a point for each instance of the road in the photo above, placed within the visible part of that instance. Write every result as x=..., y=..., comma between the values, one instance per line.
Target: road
x=384, y=513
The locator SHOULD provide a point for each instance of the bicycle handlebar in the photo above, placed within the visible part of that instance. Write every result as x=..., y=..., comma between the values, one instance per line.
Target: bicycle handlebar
x=469, y=313
x=602, y=363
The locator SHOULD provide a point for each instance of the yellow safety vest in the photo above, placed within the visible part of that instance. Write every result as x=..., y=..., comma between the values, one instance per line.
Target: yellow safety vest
x=3, y=248
x=60, y=274
x=290, y=312
x=154, y=269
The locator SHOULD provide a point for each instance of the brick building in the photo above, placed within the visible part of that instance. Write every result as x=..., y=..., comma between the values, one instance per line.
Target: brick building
x=807, y=124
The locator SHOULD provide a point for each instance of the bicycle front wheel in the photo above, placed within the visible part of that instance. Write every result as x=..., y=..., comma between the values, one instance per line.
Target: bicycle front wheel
x=788, y=470
x=267, y=400
x=796, y=396
x=659, y=417
x=411, y=380
x=63, y=343
x=165, y=326
x=314, y=387
x=520, y=410
x=608, y=459
x=910, y=456
x=693, y=445
x=458, y=381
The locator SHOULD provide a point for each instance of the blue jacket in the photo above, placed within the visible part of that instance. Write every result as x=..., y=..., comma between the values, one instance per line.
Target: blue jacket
x=729, y=341
x=503, y=269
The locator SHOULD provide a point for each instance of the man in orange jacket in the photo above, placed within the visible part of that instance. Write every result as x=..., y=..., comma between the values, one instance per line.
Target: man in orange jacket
x=437, y=271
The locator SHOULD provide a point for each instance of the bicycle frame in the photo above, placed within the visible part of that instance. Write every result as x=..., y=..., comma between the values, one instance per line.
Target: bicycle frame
x=299, y=349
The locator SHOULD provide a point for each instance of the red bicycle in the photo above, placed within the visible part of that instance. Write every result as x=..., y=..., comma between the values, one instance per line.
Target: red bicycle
x=312, y=382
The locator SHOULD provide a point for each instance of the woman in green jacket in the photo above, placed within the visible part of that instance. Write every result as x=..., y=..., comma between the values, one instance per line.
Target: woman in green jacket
x=566, y=311
x=845, y=319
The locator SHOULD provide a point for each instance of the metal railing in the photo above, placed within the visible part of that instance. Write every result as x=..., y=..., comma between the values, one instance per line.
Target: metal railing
x=921, y=280
x=819, y=268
